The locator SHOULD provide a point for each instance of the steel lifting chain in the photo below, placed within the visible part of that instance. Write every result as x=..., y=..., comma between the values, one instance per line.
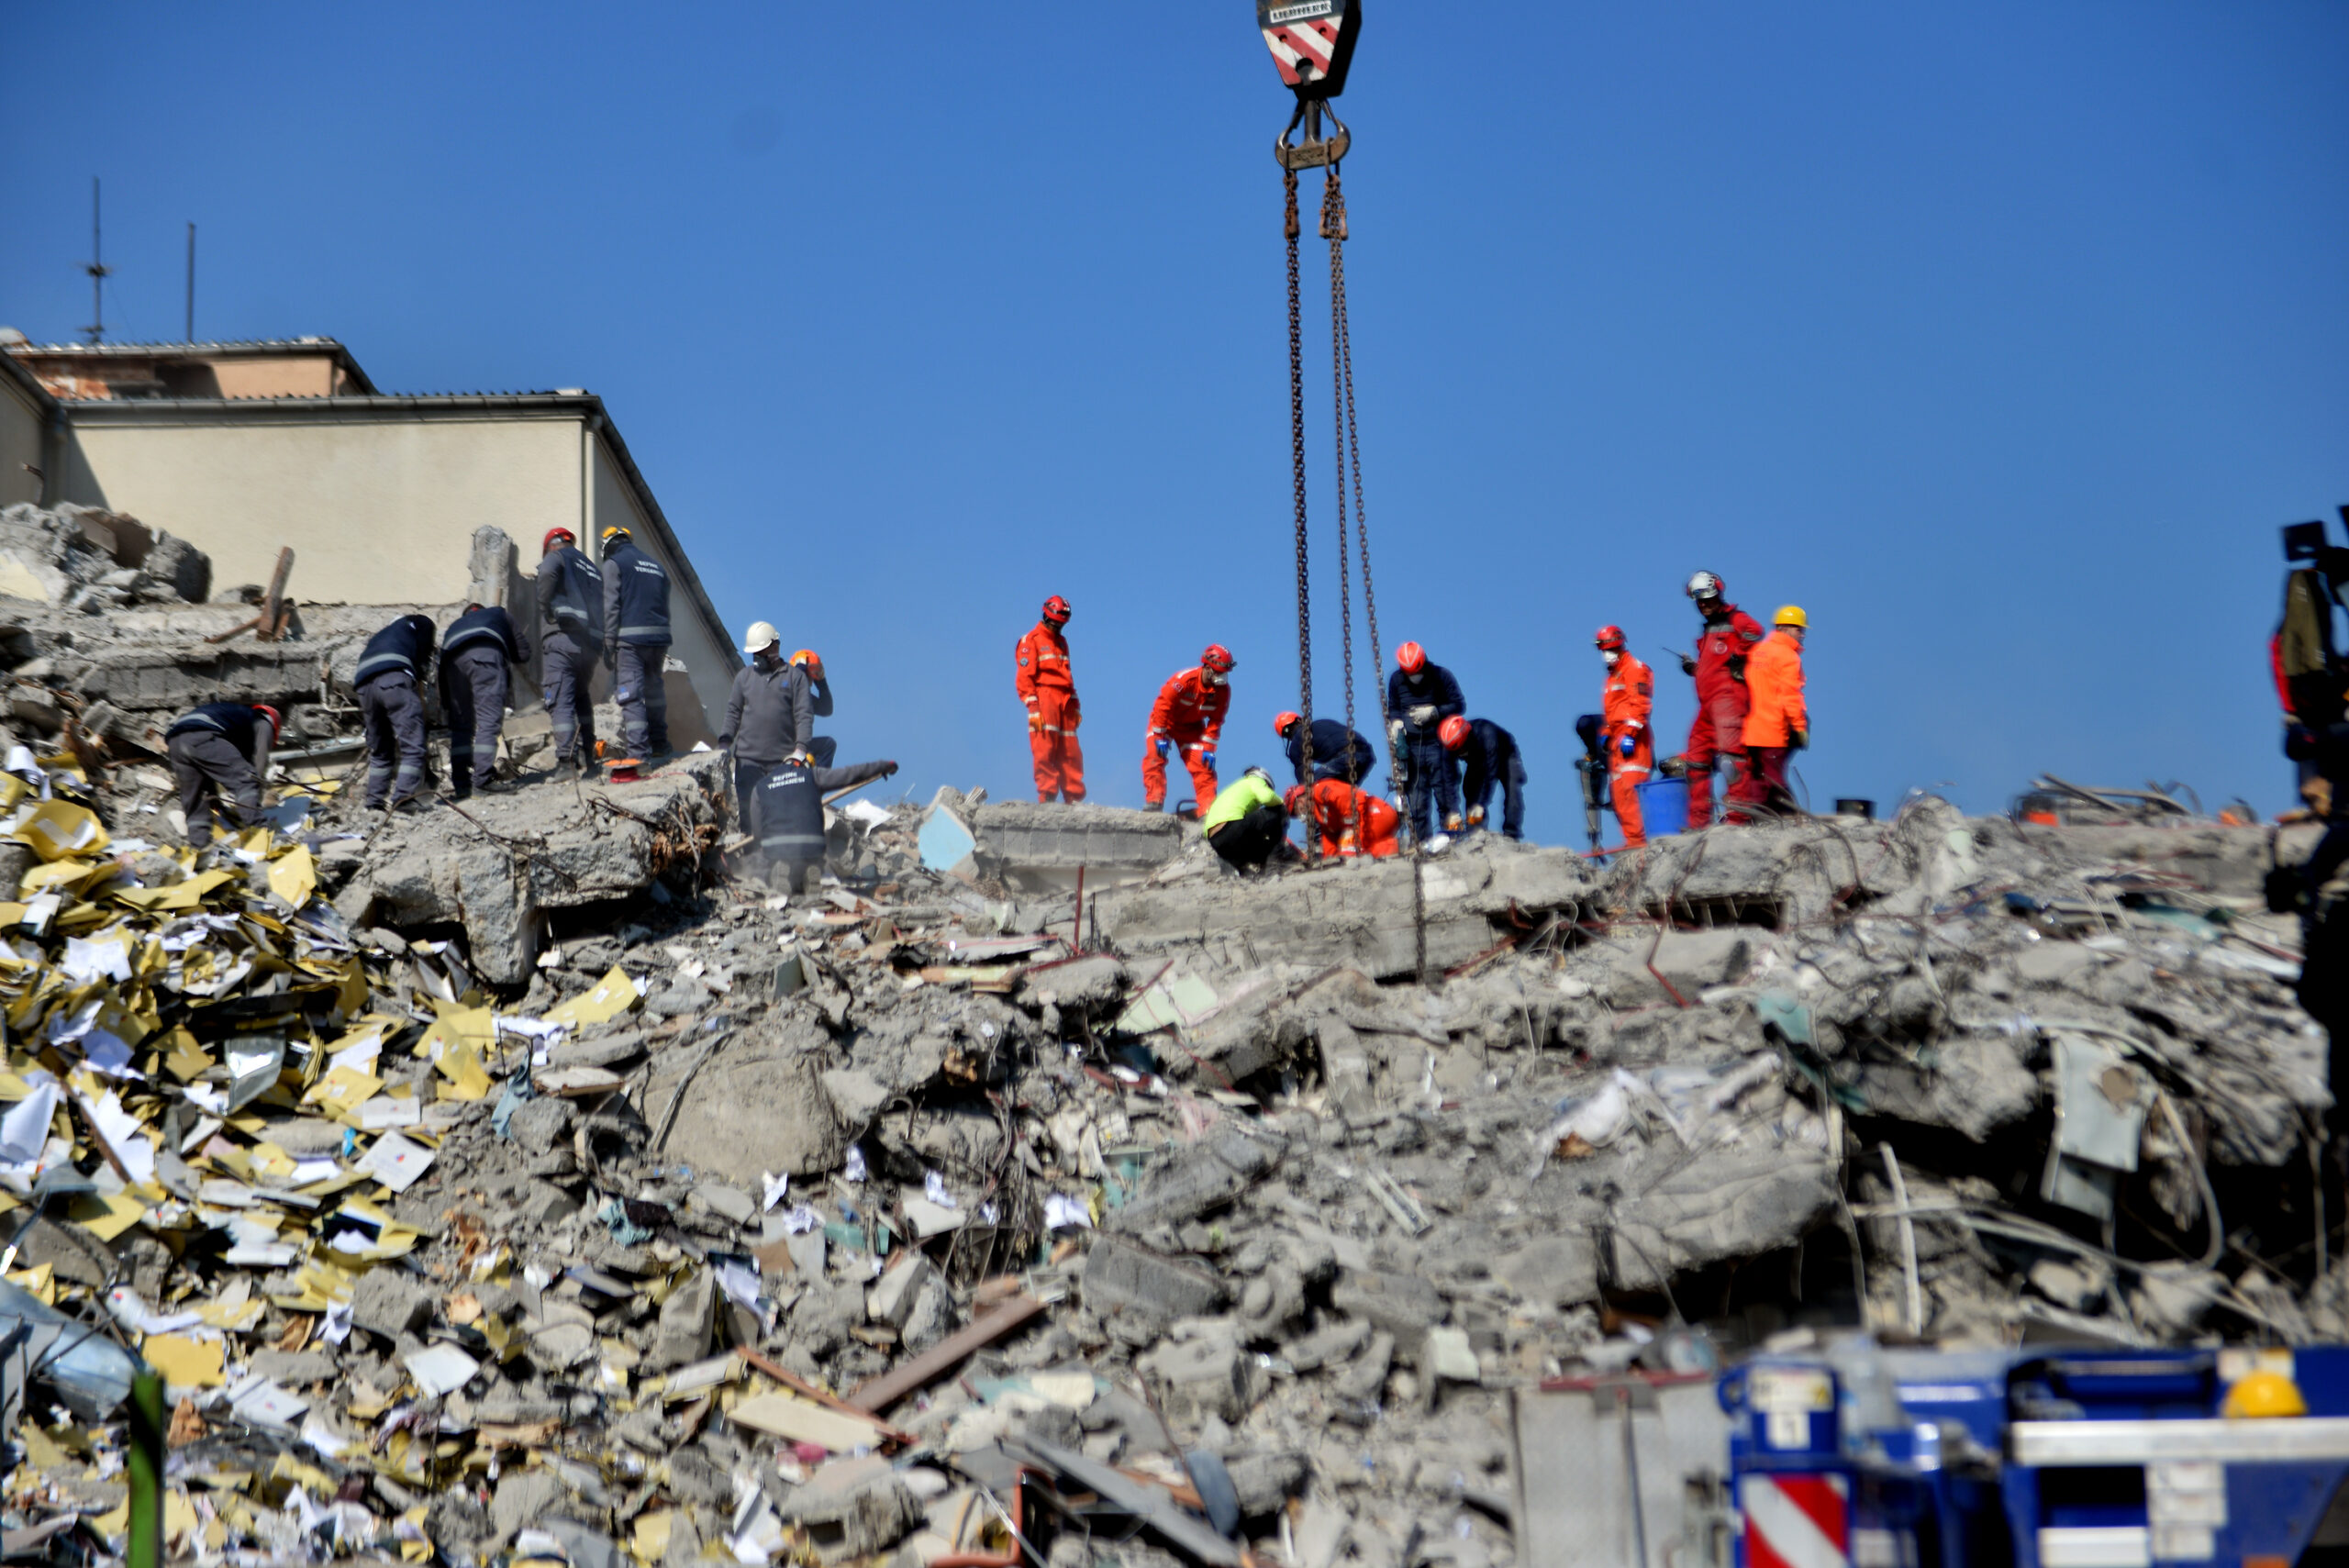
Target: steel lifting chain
x=1292, y=229
x=1333, y=229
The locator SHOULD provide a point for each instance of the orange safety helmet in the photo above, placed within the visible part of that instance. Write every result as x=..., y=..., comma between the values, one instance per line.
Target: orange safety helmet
x=813, y=659
x=1217, y=658
x=1281, y=721
x=557, y=533
x=1412, y=658
x=1056, y=610
x=1609, y=639
x=276, y=720
x=1452, y=732
x=1295, y=798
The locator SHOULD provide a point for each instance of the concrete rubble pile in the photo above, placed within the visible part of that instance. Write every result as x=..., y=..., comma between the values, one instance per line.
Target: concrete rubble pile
x=527, y=1181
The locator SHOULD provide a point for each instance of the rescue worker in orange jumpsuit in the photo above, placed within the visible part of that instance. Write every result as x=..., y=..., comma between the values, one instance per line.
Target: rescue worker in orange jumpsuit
x=1335, y=806
x=1049, y=688
x=1718, y=733
x=1189, y=718
x=1778, y=724
x=1631, y=743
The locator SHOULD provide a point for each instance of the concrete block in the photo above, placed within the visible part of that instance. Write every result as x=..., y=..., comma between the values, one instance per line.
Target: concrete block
x=757, y=1104
x=1039, y=848
x=1691, y=961
x=1403, y=1304
x=1198, y=1378
x=893, y=1296
x=684, y=1332
x=390, y=1302
x=1120, y=1274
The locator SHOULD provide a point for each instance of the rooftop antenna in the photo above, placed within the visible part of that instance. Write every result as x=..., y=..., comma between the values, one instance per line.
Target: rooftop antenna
x=191, y=282
x=99, y=272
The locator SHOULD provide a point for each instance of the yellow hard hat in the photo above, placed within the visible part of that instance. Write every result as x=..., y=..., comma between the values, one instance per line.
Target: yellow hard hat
x=2262, y=1394
x=611, y=534
x=1791, y=615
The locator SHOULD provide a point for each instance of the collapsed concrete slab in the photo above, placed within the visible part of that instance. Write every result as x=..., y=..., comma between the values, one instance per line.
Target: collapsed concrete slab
x=1030, y=848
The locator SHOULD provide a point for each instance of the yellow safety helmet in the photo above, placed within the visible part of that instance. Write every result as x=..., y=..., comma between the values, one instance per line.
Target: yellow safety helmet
x=611, y=534
x=2262, y=1394
x=1791, y=615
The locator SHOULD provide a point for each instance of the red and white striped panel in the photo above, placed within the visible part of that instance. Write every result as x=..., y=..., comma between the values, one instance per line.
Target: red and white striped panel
x=1303, y=51
x=1796, y=1521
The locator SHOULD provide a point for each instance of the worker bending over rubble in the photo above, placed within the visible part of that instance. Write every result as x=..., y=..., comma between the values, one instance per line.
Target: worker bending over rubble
x=764, y=721
x=476, y=681
x=1188, y=717
x=2318, y=891
x=1350, y=821
x=1628, y=704
x=1338, y=751
x=1047, y=685
x=1492, y=759
x=391, y=706
x=220, y=751
x=571, y=641
x=1420, y=697
x=1248, y=824
x=1718, y=732
x=636, y=618
x=790, y=814
x=1777, y=725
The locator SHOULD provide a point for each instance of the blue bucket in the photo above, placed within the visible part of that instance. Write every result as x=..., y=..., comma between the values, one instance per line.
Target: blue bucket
x=1663, y=806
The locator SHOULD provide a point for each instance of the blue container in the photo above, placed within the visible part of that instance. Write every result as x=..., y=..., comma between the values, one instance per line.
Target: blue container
x=1663, y=806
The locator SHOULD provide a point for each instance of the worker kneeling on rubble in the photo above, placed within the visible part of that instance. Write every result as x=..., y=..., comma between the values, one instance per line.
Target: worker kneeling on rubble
x=789, y=811
x=1350, y=821
x=636, y=615
x=1248, y=824
x=477, y=681
x=221, y=750
x=391, y=706
x=571, y=640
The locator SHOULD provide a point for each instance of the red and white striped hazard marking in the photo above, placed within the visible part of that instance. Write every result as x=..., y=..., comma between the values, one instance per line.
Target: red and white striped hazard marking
x=1796, y=1521
x=1303, y=51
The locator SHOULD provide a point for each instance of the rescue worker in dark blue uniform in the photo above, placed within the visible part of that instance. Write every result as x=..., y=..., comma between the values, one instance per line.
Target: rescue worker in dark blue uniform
x=221, y=750
x=476, y=681
x=2318, y=891
x=391, y=705
x=571, y=640
x=1338, y=752
x=1420, y=697
x=636, y=624
x=1492, y=758
x=790, y=815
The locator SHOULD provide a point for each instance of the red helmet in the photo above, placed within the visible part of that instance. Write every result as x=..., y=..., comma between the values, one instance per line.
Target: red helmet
x=1412, y=658
x=565, y=535
x=1217, y=658
x=1281, y=721
x=1296, y=799
x=1452, y=732
x=1611, y=639
x=276, y=720
x=1056, y=610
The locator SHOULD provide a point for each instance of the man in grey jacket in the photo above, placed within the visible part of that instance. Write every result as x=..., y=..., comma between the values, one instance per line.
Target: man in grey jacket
x=770, y=717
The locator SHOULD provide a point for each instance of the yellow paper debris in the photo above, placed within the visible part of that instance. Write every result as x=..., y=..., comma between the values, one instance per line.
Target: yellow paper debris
x=294, y=876
x=613, y=995
x=199, y=1363
x=343, y=1090
x=56, y=829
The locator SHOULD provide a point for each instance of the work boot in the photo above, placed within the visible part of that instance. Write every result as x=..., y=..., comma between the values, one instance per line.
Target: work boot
x=1153, y=805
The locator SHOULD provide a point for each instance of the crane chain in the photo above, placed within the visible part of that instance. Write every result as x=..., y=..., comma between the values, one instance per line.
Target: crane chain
x=1333, y=229
x=1292, y=229
x=1343, y=330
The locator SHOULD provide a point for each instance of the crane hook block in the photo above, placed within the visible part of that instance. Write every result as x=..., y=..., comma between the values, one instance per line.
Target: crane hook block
x=1312, y=42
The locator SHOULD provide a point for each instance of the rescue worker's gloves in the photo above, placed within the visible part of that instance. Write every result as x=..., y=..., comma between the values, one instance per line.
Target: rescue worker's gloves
x=1629, y=744
x=1395, y=733
x=2287, y=893
x=1452, y=822
x=1166, y=749
x=1475, y=816
x=1207, y=757
x=1687, y=665
x=1422, y=714
x=796, y=760
x=1801, y=739
x=1035, y=722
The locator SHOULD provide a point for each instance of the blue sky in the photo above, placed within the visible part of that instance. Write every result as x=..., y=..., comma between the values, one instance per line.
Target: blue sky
x=2002, y=337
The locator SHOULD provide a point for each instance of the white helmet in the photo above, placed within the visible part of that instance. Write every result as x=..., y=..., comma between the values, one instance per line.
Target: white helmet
x=1704, y=586
x=760, y=638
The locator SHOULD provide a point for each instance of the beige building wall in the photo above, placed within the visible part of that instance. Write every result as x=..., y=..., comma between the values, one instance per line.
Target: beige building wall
x=386, y=509
x=22, y=421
